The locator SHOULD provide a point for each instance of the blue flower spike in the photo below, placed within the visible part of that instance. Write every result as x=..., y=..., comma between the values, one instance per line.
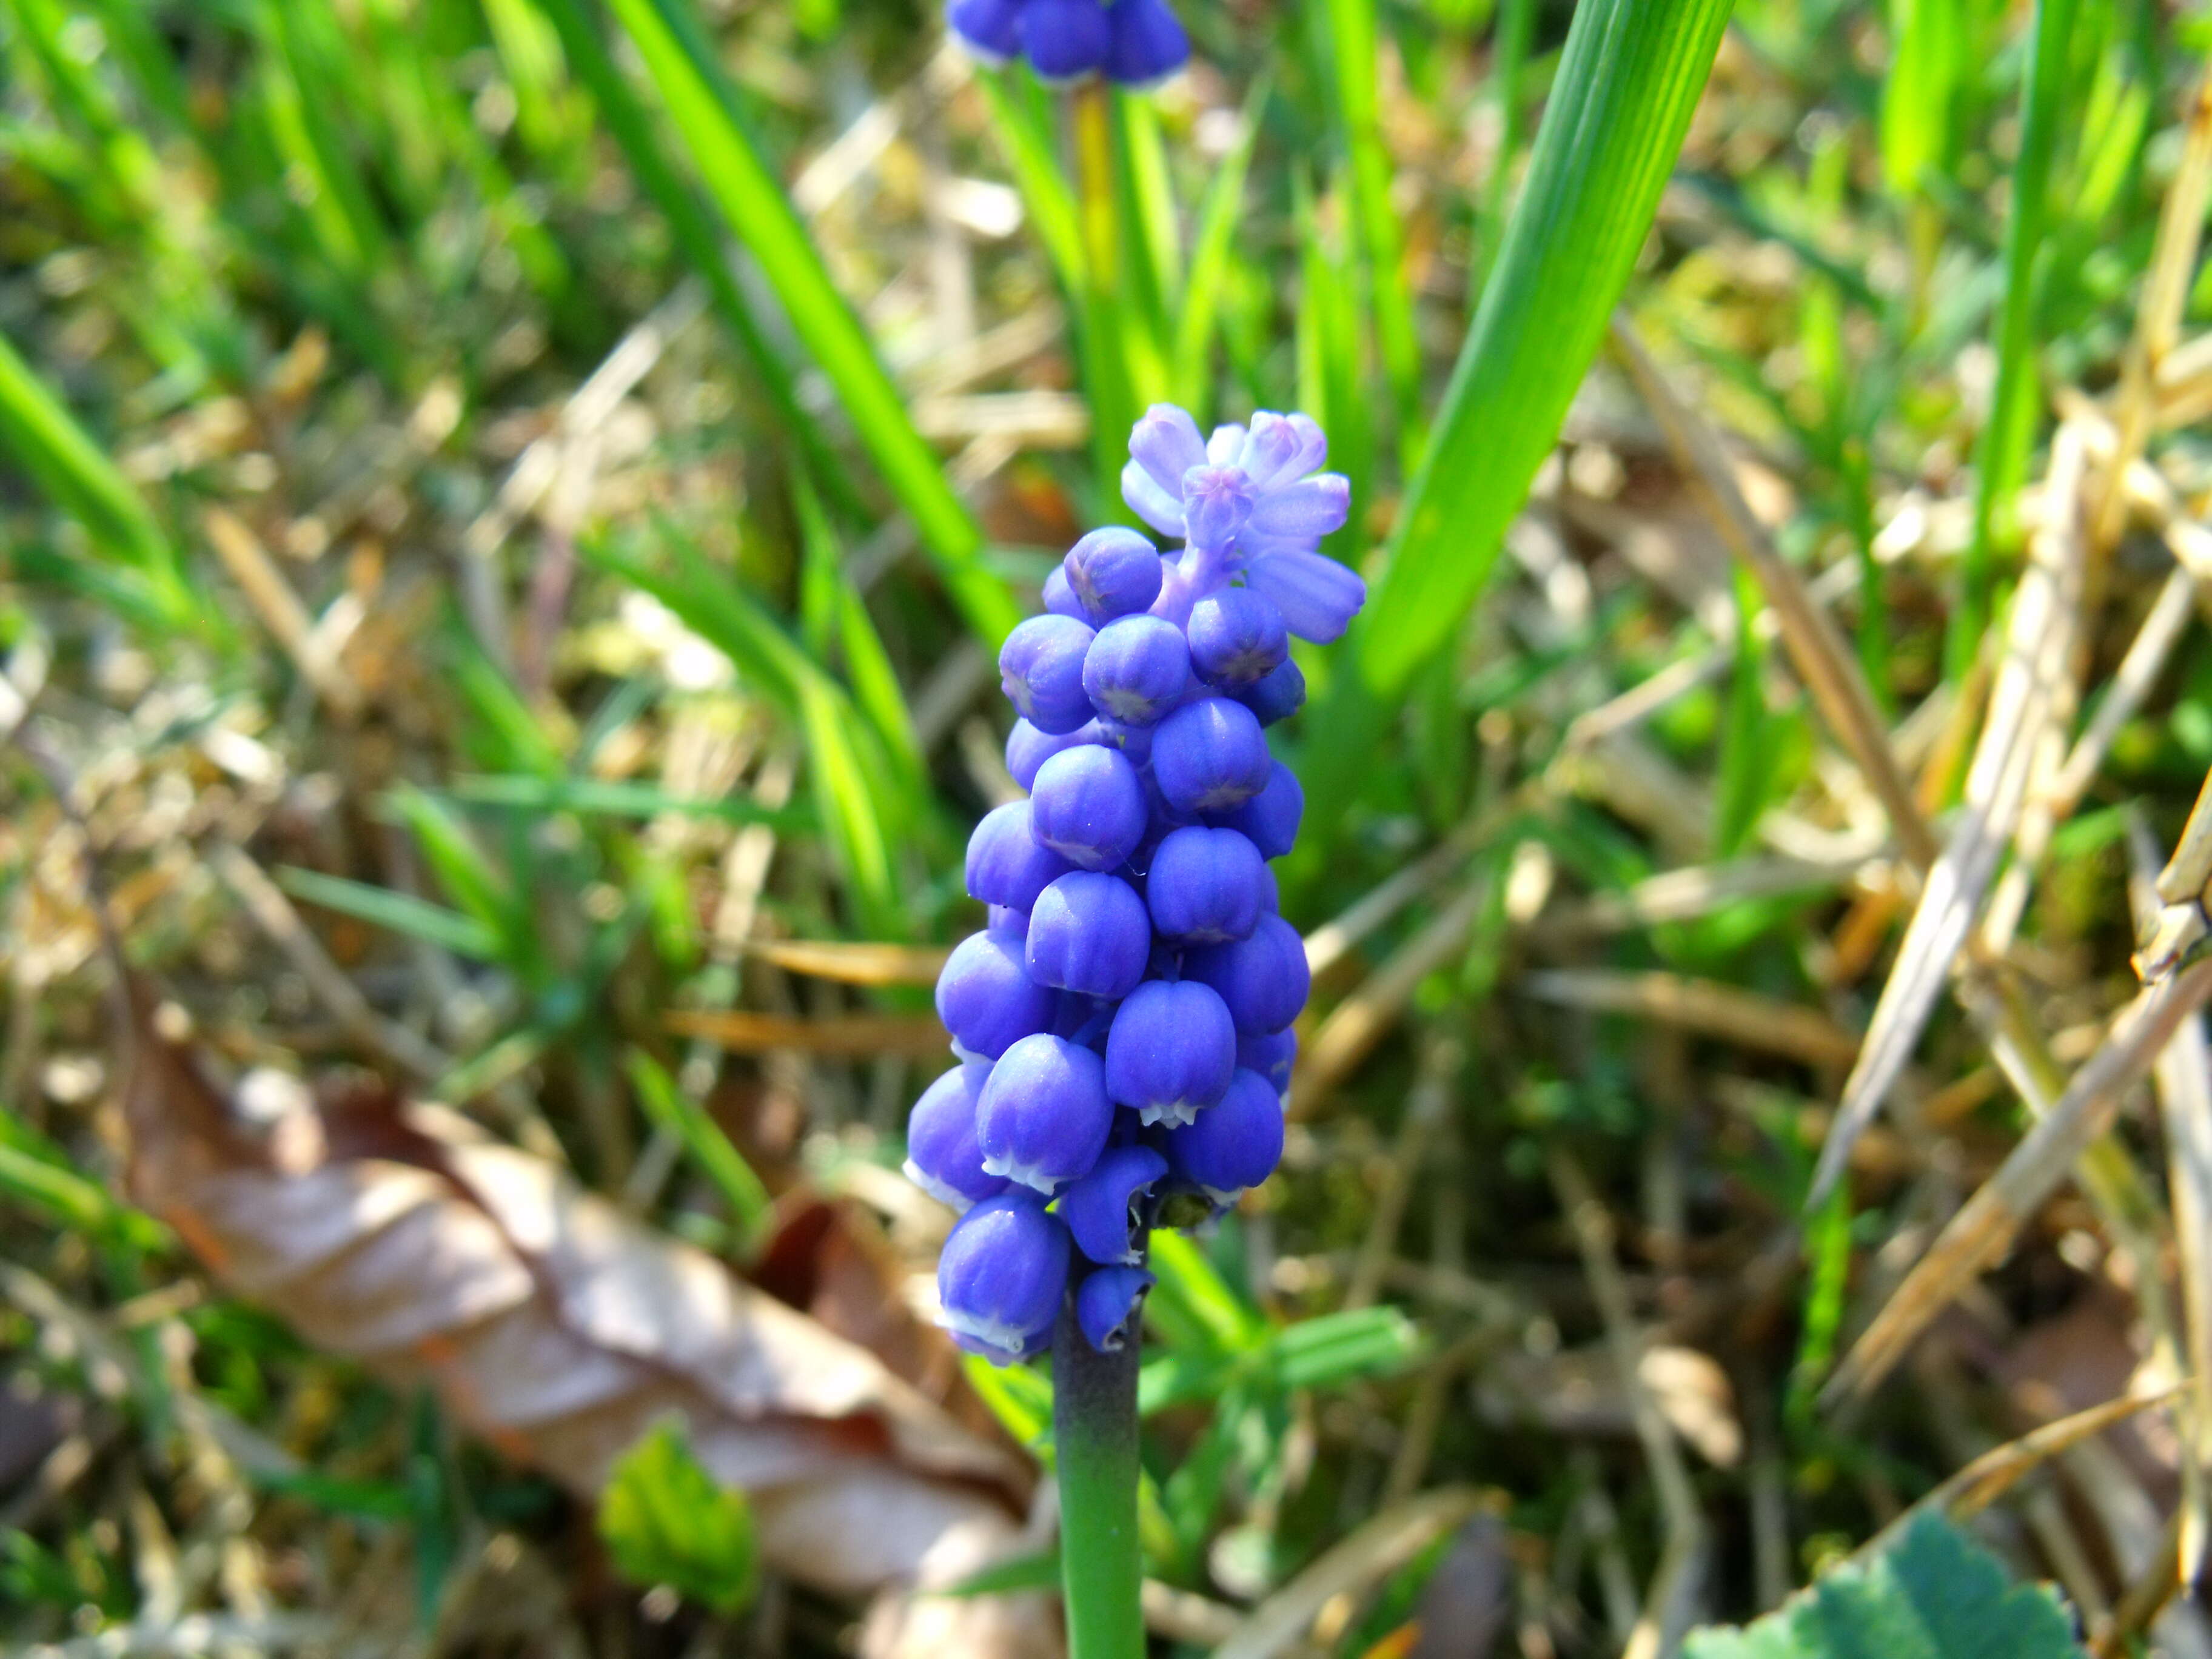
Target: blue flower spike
x=1123, y=1023
x=1134, y=43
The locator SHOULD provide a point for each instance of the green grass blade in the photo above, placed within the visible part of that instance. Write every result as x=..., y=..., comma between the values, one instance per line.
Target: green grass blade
x=1193, y=1303
x=1159, y=238
x=592, y=798
x=868, y=668
x=676, y=1112
x=1927, y=54
x=39, y=430
x=757, y=211
x=1112, y=335
x=857, y=793
x=38, y=1174
x=509, y=726
x=1047, y=196
x=1508, y=64
x=402, y=913
x=842, y=769
x=1351, y=26
x=1740, y=790
x=1630, y=76
x=468, y=877
x=2001, y=457
x=1200, y=316
x=545, y=105
x=1331, y=356
x=695, y=236
x=338, y=200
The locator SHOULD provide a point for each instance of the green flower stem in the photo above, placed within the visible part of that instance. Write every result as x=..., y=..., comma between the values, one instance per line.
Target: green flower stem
x=1094, y=1425
x=1104, y=319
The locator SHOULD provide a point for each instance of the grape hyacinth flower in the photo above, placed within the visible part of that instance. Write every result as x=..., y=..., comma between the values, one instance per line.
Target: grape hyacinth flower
x=1134, y=43
x=1123, y=1020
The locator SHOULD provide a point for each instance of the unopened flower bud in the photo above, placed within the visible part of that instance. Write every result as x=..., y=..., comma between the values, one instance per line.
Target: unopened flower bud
x=1171, y=1050
x=1107, y=1304
x=1103, y=1211
x=1002, y=1278
x=1088, y=805
x=1043, y=1116
x=943, y=1156
x=1041, y=667
x=1234, y=1144
x=1089, y=933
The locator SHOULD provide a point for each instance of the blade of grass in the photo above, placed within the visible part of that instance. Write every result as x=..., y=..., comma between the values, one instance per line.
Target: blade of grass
x=1985, y=1225
x=857, y=791
x=61, y=458
x=545, y=105
x=2001, y=456
x=1927, y=48
x=1351, y=27
x=868, y=668
x=1046, y=194
x=1153, y=251
x=1508, y=64
x=1200, y=313
x=402, y=913
x=339, y=202
x=696, y=237
x=2032, y=688
x=1817, y=650
x=1110, y=326
x=470, y=878
x=676, y=1112
x=1629, y=78
x=1331, y=358
x=593, y=798
x=754, y=206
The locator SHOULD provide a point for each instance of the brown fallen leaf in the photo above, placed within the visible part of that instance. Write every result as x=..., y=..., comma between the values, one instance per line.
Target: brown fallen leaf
x=560, y=1329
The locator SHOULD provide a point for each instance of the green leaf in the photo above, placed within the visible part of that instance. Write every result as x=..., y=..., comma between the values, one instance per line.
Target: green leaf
x=868, y=669
x=1628, y=80
x=2001, y=459
x=857, y=790
x=38, y=429
x=694, y=231
x=1927, y=57
x=1040, y=1571
x=403, y=913
x=468, y=877
x=37, y=1174
x=671, y=1110
x=754, y=206
x=1937, y=1595
x=1352, y=28
x=1191, y=1302
x=598, y=798
x=1047, y=196
x=1314, y=1354
x=665, y=1522
x=1019, y=1397
x=1200, y=313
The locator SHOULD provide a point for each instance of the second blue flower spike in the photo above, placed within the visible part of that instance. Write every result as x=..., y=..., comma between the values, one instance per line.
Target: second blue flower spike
x=1134, y=43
